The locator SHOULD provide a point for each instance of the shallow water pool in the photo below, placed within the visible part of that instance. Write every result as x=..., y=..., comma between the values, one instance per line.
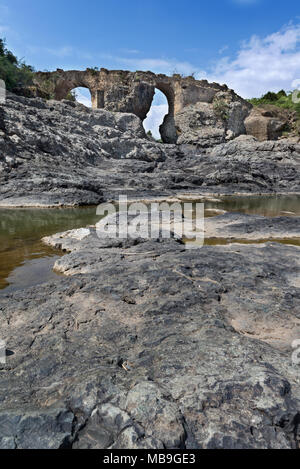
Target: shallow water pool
x=25, y=261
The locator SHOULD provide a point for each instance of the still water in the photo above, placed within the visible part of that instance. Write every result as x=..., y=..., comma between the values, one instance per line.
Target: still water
x=26, y=261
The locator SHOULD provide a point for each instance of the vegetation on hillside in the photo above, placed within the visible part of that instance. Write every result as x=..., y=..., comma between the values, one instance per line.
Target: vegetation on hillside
x=286, y=102
x=13, y=71
x=281, y=99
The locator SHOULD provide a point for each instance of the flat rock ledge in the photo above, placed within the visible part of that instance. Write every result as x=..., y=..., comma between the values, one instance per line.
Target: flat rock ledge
x=148, y=345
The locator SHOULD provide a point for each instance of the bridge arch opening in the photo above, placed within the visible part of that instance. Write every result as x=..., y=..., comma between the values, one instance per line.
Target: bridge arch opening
x=158, y=111
x=81, y=95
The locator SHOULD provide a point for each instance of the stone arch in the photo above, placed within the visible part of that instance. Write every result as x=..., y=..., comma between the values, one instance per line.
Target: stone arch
x=82, y=95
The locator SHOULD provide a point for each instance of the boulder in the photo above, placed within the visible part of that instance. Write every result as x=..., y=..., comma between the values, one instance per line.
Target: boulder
x=207, y=124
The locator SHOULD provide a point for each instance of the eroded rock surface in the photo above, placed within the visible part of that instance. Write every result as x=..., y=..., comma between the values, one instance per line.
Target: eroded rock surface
x=149, y=345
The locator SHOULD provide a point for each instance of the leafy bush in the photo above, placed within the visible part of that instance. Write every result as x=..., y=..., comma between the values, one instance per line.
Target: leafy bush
x=14, y=72
x=72, y=96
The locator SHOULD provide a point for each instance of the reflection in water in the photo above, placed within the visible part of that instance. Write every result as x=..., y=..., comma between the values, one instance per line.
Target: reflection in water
x=26, y=261
x=21, y=249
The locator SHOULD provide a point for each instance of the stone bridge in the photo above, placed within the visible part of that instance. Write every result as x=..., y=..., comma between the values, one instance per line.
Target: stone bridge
x=133, y=92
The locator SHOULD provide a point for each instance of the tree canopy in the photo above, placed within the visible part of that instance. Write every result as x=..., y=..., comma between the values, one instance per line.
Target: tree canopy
x=13, y=71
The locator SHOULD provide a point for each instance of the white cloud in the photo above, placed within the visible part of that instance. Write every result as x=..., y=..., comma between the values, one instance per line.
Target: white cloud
x=261, y=64
x=245, y=2
x=223, y=49
x=155, y=118
x=296, y=84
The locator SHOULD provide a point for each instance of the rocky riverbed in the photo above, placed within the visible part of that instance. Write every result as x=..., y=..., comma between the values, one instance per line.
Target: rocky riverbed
x=62, y=153
x=143, y=343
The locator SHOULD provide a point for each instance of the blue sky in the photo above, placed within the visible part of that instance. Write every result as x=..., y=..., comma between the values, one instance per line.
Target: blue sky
x=252, y=45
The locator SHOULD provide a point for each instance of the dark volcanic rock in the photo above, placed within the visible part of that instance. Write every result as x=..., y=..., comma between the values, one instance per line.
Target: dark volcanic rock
x=144, y=344
x=149, y=345
x=61, y=153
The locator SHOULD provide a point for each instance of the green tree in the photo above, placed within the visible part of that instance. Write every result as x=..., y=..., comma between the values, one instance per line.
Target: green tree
x=72, y=96
x=13, y=71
